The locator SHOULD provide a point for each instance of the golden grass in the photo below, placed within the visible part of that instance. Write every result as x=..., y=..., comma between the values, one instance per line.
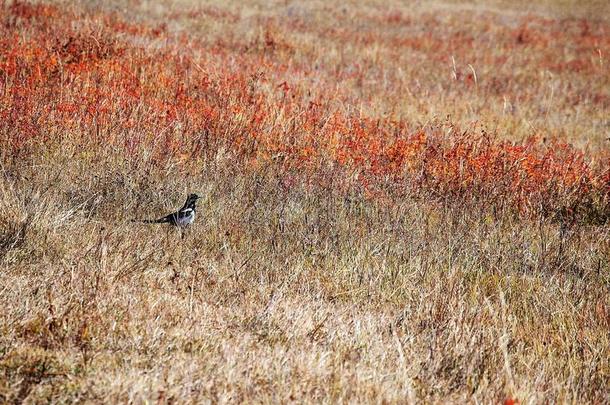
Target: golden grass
x=299, y=282
x=275, y=297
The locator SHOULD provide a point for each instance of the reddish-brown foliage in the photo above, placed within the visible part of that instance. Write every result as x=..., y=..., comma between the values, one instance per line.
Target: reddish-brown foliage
x=85, y=81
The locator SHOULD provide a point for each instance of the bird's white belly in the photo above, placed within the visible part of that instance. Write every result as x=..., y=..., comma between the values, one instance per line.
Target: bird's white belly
x=186, y=220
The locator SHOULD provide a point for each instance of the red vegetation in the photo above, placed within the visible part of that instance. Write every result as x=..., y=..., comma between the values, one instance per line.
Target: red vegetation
x=62, y=81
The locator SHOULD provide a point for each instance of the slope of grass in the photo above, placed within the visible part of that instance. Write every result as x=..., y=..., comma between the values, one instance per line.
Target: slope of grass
x=400, y=204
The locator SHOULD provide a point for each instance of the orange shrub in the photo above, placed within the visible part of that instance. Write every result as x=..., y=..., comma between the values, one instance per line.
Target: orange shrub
x=70, y=78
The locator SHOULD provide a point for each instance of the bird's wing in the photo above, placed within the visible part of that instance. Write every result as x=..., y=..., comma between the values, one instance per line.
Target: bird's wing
x=185, y=213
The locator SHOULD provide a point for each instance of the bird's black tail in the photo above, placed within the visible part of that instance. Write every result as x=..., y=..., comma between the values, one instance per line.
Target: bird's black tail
x=152, y=221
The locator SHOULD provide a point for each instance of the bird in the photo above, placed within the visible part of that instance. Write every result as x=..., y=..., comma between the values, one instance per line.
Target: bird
x=182, y=218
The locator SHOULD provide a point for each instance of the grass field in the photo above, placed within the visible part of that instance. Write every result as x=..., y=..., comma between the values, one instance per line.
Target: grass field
x=402, y=201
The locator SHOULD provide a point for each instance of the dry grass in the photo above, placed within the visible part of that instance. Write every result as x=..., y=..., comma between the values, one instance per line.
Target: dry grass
x=366, y=233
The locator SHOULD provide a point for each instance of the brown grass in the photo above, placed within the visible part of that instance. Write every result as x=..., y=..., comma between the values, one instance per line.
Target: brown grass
x=309, y=277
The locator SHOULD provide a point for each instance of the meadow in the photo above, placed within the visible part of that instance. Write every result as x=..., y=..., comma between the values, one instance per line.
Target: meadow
x=403, y=202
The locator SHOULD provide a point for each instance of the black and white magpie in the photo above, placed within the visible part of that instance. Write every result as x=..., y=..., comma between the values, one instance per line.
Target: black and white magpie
x=181, y=218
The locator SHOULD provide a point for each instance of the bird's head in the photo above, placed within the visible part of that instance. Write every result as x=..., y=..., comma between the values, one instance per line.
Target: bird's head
x=191, y=200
